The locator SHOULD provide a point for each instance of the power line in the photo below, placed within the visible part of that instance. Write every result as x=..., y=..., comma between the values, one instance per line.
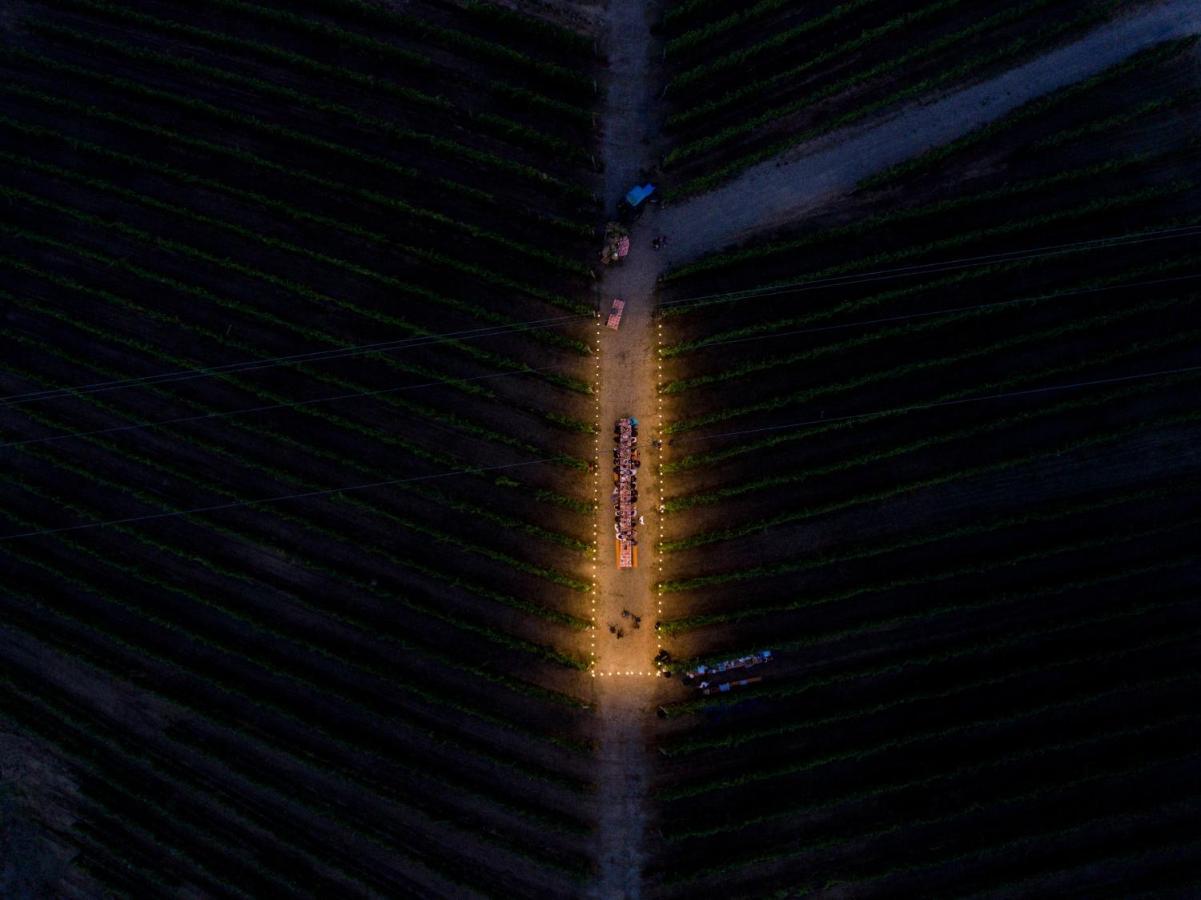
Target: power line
x=1136, y=237
x=275, y=499
x=257, y=409
x=553, y=322
x=955, y=309
x=935, y=267
x=311, y=356
x=940, y=403
x=478, y=469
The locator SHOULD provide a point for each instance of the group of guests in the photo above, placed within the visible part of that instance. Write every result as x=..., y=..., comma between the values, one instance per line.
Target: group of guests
x=619, y=630
x=625, y=479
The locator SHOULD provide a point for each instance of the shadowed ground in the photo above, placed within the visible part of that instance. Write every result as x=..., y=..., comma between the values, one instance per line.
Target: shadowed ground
x=764, y=197
x=783, y=190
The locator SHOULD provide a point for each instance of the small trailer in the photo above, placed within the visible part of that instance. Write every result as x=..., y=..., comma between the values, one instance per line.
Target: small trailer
x=617, y=244
x=728, y=686
x=615, y=312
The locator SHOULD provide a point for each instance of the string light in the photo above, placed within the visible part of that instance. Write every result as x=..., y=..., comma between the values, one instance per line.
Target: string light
x=596, y=501
x=661, y=488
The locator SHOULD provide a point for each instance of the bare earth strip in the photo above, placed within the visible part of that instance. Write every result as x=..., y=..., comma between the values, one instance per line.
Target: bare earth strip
x=624, y=784
x=628, y=378
x=780, y=191
x=630, y=108
x=628, y=383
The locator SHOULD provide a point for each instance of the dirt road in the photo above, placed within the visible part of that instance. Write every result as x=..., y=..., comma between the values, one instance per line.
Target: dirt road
x=630, y=114
x=629, y=379
x=625, y=683
x=625, y=689
x=780, y=191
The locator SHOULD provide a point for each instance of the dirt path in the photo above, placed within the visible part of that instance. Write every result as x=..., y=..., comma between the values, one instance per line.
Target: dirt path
x=625, y=683
x=628, y=379
x=627, y=707
x=629, y=116
x=625, y=687
x=780, y=191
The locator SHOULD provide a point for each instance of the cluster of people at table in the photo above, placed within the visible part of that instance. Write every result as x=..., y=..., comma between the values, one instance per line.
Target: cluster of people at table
x=625, y=479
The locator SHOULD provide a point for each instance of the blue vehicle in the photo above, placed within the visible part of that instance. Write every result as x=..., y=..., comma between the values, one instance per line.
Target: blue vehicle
x=638, y=193
x=631, y=206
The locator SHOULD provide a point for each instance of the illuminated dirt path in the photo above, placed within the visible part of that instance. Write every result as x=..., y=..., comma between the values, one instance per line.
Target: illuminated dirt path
x=763, y=197
x=628, y=386
x=627, y=376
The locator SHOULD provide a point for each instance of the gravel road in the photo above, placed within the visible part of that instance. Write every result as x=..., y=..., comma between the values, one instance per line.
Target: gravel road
x=779, y=191
x=628, y=382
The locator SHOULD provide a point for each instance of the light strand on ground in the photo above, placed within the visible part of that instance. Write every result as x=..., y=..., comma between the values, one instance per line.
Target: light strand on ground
x=596, y=460
x=660, y=487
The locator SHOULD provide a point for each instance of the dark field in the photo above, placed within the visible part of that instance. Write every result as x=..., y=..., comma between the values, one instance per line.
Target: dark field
x=748, y=81
x=364, y=687
x=299, y=402
x=978, y=558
